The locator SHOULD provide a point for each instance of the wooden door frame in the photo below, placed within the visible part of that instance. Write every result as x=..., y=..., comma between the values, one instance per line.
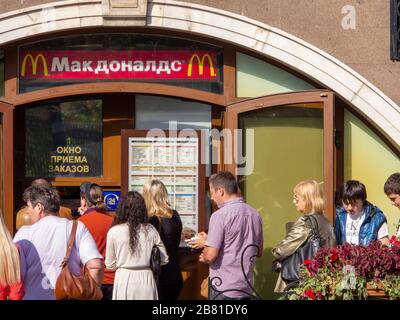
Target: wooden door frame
x=8, y=165
x=323, y=96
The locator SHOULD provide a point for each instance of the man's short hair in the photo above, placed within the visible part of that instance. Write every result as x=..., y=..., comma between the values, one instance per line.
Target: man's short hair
x=392, y=184
x=353, y=190
x=41, y=182
x=48, y=197
x=225, y=180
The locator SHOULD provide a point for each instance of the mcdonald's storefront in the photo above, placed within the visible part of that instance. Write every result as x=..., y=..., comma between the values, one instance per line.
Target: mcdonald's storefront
x=77, y=104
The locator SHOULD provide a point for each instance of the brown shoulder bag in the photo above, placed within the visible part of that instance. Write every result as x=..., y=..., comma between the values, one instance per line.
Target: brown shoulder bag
x=69, y=286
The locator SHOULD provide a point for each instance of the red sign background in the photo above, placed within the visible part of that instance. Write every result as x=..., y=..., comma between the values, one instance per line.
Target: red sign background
x=191, y=64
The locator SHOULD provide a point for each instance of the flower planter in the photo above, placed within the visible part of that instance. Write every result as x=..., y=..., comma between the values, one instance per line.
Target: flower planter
x=376, y=294
x=351, y=268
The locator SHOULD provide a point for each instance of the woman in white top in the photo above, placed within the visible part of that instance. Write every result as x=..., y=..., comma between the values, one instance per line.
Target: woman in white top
x=129, y=245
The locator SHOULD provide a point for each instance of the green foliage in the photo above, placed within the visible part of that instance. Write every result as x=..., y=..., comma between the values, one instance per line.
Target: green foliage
x=391, y=286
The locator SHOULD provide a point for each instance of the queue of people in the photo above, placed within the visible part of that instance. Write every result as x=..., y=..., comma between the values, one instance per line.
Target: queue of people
x=357, y=222
x=117, y=250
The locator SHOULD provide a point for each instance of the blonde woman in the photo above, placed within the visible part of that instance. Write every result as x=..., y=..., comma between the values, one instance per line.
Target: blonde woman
x=309, y=201
x=11, y=286
x=169, y=225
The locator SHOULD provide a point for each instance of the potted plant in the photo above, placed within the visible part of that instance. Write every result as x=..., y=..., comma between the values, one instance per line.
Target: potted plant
x=349, y=272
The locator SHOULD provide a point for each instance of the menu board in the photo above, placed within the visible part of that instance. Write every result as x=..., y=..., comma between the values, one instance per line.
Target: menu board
x=174, y=161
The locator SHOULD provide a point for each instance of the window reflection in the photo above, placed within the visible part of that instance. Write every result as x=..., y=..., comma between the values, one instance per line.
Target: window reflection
x=64, y=139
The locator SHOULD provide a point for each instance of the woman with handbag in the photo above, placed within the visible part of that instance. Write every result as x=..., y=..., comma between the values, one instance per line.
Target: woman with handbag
x=43, y=247
x=129, y=247
x=11, y=286
x=309, y=201
x=169, y=225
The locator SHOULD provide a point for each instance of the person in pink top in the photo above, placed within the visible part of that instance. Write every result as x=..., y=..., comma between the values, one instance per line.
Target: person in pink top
x=235, y=230
x=11, y=285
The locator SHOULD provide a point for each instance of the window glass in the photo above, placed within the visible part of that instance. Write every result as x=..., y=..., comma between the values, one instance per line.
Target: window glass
x=152, y=112
x=368, y=159
x=395, y=29
x=64, y=139
x=186, y=115
x=257, y=78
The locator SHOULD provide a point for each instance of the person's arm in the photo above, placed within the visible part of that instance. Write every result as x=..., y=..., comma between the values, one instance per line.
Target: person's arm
x=383, y=234
x=163, y=251
x=111, y=258
x=96, y=270
x=88, y=253
x=293, y=240
x=384, y=240
x=208, y=255
x=337, y=229
x=21, y=242
x=200, y=242
x=214, y=240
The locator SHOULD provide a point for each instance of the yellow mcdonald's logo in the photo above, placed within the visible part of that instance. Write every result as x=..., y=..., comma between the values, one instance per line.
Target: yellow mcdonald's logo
x=34, y=63
x=201, y=64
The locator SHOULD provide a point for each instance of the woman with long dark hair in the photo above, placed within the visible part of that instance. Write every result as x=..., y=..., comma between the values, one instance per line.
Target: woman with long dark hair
x=129, y=245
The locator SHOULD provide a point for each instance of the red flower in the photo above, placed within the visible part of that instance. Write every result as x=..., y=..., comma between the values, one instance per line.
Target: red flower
x=309, y=265
x=309, y=293
x=334, y=256
x=393, y=239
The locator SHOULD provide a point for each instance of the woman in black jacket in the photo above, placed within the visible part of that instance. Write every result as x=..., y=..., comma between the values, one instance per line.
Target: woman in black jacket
x=169, y=225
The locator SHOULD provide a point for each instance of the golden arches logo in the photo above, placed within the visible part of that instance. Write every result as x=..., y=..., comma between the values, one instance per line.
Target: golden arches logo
x=34, y=63
x=201, y=64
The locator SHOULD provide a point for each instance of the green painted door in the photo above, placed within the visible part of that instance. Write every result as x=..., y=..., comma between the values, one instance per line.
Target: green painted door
x=288, y=148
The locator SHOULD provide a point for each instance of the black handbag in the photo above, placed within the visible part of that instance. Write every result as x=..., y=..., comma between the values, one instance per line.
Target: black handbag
x=155, y=262
x=291, y=265
x=155, y=258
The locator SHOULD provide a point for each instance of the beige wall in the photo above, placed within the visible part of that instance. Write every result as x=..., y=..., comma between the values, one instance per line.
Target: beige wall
x=319, y=22
x=10, y=5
